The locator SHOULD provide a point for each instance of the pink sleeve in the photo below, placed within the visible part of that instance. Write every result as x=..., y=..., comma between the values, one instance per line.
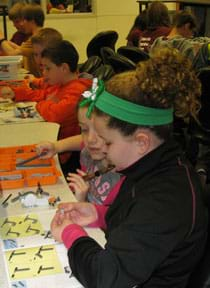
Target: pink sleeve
x=83, y=167
x=100, y=222
x=114, y=192
x=71, y=233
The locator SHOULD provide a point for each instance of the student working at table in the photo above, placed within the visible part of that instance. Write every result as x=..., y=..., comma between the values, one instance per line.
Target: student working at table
x=156, y=227
x=58, y=102
x=14, y=15
x=31, y=20
x=32, y=87
x=96, y=178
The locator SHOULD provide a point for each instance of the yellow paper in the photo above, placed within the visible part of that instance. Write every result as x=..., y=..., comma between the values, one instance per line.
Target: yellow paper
x=33, y=262
x=20, y=226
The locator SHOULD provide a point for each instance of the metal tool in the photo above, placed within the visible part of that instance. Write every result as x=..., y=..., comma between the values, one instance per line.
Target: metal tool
x=5, y=202
x=21, y=163
x=97, y=173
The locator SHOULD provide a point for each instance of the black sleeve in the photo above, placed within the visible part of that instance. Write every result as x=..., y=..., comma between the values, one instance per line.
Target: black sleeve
x=133, y=250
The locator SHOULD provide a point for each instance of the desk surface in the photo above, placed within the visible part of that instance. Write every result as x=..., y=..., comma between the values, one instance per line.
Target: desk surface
x=27, y=133
x=20, y=112
x=24, y=258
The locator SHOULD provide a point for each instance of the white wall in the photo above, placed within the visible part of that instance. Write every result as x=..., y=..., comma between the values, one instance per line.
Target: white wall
x=110, y=15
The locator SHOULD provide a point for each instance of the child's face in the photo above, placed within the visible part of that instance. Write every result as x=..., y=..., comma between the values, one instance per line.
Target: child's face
x=93, y=143
x=122, y=151
x=27, y=26
x=18, y=24
x=37, y=52
x=52, y=73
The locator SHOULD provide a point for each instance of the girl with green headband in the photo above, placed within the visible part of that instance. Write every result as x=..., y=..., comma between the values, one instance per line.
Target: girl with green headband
x=96, y=178
x=156, y=227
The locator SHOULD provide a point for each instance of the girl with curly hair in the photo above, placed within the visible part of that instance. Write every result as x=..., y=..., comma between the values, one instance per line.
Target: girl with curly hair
x=156, y=227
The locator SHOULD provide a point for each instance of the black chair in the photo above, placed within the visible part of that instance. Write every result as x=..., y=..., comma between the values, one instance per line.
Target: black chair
x=198, y=143
x=104, y=72
x=106, y=52
x=199, y=134
x=204, y=76
x=90, y=65
x=121, y=63
x=102, y=39
x=133, y=53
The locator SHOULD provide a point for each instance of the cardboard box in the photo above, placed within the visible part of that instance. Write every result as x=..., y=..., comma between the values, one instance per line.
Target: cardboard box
x=9, y=67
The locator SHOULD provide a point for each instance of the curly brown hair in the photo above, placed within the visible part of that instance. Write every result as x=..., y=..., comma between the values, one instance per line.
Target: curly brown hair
x=165, y=80
x=168, y=80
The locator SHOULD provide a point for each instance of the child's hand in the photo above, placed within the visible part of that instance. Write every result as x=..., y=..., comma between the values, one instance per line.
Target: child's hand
x=13, y=45
x=48, y=148
x=80, y=213
x=29, y=77
x=78, y=185
x=52, y=97
x=7, y=93
x=59, y=222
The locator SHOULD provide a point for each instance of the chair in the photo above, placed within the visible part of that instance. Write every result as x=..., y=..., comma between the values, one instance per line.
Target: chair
x=133, y=53
x=106, y=52
x=121, y=63
x=104, y=72
x=102, y=39
x=200, y=134
x=198, y=144
x=90, y=65
x=204, y=76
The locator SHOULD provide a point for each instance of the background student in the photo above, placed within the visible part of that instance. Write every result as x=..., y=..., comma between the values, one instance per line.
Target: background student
x=32, y=20
x=14, y=15
x=158, y=24
x=136, y=30
x=156, y=227
x=181, y=37
x=45, y=38
x=32, y=87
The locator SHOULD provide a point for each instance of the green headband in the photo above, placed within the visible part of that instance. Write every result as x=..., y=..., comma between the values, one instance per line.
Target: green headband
x=123, y=109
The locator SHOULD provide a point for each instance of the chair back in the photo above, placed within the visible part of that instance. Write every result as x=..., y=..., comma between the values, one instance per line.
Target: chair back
x=104, y=72
x=204, y=76
x=106, y=52
x=90, y=65
x=199, y=134
x=121, y=63
x=133, y=53
x=102, y=39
